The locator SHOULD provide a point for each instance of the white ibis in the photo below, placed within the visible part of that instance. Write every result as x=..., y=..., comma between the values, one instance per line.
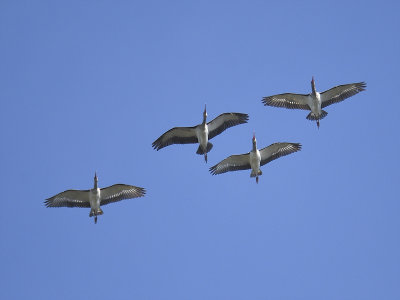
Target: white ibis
x=255, y=158
x=201, y=133
x=315, y=101
x=95, y=197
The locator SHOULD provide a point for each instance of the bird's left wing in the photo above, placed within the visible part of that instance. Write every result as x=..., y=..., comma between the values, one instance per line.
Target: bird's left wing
x=232, y=163
x=287, y=100
x=341, y=92
x=176, y=135
x=118, y=192
x=224, y=121
x=277, y=150
x=69, y=198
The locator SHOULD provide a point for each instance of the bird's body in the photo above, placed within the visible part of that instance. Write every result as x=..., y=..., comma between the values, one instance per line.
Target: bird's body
x=201, y=133
x=255, y=158
x=94, y=200
x=95, y=197
x=202, y=137
x=315, y=101
x=255, y=161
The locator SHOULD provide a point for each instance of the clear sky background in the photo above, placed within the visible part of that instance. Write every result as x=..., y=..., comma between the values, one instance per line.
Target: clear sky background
x=87, y=86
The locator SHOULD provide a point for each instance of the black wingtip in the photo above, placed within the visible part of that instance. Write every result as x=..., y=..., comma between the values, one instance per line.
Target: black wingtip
x=267, y=101
x=241, y=118
x=156, y=145
x=47, y=202
x=213, y=170
x=362, y=86
x=264, y=101
x=141, y=192
x=297, y=146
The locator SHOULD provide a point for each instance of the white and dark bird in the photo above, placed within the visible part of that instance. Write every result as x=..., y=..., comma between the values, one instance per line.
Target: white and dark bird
x=255, y=158
x=315, y=101
x=95, y=197
x=201, y=133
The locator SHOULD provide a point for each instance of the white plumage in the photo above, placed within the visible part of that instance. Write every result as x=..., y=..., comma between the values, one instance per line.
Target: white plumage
x=201, y=133
x=95, y=197
x=255, y=158
x=315, y=101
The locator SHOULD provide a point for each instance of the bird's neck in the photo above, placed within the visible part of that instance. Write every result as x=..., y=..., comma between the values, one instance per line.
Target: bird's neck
x=254, y=147
x=314, y=92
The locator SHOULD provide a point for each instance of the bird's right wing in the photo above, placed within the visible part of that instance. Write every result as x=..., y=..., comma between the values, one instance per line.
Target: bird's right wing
x=341, y=92
x=224, y=121
x=118, y=192
x=292, y=101
x=277, y=150
x=176, y=135
x=69, y=198
x=232, y=163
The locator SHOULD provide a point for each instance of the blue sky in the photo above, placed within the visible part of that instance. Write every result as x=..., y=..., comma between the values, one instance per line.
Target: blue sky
x=88, y=85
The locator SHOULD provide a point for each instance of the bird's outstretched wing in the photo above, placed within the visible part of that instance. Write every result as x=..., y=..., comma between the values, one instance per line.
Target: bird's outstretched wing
x=176, y=135
x=232, y=163
x=69, y=198
x=118, y=192
x=341, y=92
x=287, y=100
x=277, y=150
x=224, y=121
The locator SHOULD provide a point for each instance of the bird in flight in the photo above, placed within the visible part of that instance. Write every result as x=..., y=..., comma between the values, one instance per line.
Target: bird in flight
x=255, y=158
x=315, y=101
x=201, y=133
x=96, y=197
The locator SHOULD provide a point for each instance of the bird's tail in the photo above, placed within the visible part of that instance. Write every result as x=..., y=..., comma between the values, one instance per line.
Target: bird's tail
x=313, y=117
x=94, y=212
x=254, y=174
x=201, y=151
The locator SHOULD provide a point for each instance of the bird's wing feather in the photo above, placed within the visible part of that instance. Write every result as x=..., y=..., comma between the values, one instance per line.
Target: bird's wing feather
x=277, y=150
x=232, y=163
x=224, y=121
x=176, y=135
x=341, y=92
x=287, y=100
x=118, y=192
x=69, y=198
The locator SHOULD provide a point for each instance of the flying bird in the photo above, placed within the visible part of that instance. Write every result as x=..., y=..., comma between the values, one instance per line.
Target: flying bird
x=95, y=197
x=201, y=133
x=315, y=101
x=255, y=158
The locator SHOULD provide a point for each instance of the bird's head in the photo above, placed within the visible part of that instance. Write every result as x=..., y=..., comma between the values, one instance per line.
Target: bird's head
x=205, y=111
x=95, y=177
x=254, y=142
x=313, y=84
